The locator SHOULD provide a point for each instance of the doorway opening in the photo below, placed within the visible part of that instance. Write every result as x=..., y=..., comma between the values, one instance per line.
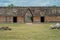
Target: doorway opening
x=28, y=17
x=15, y=19
x=42, y=19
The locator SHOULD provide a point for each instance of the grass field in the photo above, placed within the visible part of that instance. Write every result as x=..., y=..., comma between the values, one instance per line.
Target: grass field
x=30, y=32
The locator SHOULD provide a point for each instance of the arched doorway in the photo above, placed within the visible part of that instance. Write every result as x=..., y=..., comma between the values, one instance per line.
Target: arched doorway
x=28, y=17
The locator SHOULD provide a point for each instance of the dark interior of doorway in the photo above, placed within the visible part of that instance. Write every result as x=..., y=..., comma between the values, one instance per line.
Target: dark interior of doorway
x=14, y=19
x=42, y=19
x=31, y=18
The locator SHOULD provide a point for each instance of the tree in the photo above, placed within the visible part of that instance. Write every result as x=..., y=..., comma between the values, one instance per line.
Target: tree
x=8, y=8
x=11, y=5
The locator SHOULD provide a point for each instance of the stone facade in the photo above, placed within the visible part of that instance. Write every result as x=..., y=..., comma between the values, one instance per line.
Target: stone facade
x=29, y=14
x=20, y=19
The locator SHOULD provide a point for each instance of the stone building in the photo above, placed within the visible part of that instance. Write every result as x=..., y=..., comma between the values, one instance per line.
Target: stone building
x=29, y=14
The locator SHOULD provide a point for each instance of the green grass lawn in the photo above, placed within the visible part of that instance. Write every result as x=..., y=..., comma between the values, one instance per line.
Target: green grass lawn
x=30, y=32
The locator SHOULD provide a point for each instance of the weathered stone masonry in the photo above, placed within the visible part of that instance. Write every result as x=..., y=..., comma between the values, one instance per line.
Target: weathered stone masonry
x=29, y=14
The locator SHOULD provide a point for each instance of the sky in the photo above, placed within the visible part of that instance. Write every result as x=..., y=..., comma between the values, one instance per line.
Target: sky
x=30, y=2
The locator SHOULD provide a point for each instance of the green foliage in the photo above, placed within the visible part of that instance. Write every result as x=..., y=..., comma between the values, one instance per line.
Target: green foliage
x=54, y=5
x=11, y=5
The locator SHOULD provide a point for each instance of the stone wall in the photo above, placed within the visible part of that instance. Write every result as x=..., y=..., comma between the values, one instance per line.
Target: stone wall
x=52, y=18
x=9, y=19
x=2, y=19
x=36, y=19
x=20, y=19
x=51, y=14
x=58, y=18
